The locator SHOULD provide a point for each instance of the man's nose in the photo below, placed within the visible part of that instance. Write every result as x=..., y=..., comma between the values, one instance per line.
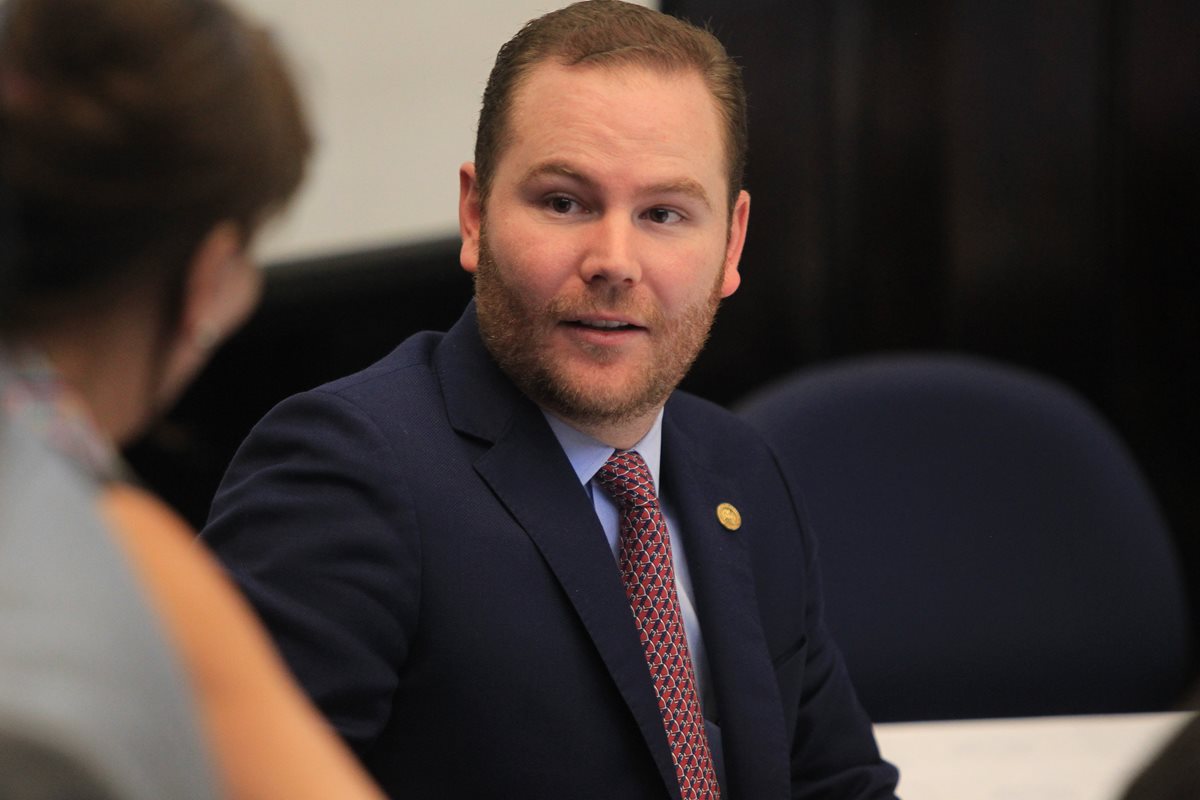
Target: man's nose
x=611, y=254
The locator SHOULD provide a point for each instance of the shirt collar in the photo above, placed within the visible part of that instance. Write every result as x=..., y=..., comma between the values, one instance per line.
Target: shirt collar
x=587, y=455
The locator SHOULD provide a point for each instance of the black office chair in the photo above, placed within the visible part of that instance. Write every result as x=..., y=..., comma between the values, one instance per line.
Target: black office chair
x=989, y=546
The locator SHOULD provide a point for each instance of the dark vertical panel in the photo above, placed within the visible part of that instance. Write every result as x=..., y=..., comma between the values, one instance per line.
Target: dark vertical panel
x=1023, y=185
x=1156, y=220
x=888, y=260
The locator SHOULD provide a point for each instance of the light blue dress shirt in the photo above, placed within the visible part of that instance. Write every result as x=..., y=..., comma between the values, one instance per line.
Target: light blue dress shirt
x=587, y=456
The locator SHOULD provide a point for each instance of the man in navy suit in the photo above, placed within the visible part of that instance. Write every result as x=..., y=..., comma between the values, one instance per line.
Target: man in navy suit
x=427, y=539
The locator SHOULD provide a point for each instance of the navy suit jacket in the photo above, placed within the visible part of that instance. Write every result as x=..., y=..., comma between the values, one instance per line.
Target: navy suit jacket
x=415, y=538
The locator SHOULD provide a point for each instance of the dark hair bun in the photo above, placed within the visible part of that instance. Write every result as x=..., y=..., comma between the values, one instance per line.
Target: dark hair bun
x=129, y=129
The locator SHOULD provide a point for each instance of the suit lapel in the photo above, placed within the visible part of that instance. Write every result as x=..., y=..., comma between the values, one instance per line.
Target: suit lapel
x=749, y=711
x=531, y=476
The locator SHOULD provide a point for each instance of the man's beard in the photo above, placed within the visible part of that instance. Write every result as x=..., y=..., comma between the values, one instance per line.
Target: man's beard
x=515, y=332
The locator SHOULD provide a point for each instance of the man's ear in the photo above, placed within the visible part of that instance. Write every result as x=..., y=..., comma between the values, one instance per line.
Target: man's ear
x=221, y=287
x=470, y=214
x=738, y=222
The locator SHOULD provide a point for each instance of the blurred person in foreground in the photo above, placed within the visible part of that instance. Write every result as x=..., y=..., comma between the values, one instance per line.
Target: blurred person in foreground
x=142, y=145
x=461, y=550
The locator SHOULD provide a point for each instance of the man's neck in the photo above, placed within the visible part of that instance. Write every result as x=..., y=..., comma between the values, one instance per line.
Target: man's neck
x=621, y=434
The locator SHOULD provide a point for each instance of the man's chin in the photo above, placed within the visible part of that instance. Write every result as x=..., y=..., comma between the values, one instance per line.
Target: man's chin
x=599, y=402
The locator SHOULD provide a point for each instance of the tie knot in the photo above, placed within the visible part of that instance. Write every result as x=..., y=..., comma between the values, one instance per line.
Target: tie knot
x=627, y=479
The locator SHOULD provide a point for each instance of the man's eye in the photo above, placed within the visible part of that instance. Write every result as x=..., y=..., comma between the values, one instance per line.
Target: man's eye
x=561, y=205
x=662, y=216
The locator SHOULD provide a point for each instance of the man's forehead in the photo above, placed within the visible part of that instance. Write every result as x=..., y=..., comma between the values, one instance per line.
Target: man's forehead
x=532, y=113
x=622, y=71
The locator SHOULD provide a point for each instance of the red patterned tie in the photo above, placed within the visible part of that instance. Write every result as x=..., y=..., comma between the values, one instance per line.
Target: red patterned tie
x=645, y=560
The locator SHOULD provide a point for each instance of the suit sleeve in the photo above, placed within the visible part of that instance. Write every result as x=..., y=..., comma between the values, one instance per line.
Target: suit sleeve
x=314, y=523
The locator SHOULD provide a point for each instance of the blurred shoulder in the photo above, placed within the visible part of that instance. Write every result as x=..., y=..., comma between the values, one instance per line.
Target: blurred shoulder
x=159, y=543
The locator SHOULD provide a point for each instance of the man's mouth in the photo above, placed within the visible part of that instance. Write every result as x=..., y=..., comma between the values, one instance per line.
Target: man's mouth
x=602, y=324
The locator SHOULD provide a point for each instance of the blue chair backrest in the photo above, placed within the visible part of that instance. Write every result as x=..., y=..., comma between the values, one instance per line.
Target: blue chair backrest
x=989, y=546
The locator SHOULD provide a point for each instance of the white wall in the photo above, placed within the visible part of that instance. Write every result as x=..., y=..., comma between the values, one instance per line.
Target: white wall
x=393, y=88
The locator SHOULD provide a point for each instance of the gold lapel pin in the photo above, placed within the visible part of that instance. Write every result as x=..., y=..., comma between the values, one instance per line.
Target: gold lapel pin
x=729, y=516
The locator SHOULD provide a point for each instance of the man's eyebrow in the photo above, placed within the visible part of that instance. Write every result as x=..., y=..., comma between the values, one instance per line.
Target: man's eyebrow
x=683, y=186
x=557, y=168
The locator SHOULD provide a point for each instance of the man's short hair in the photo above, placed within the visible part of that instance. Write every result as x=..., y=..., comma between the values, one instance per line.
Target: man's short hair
x=610, y=33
